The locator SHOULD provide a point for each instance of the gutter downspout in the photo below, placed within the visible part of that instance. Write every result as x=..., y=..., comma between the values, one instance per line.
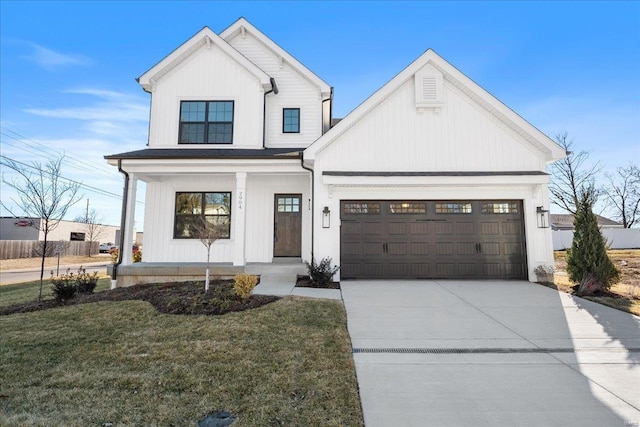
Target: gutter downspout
x=274, y=89
x=312, y=201
x=123, y=224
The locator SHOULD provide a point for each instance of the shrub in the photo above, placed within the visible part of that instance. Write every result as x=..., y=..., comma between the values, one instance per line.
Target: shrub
x=114, y=256
x=137, y=256
x=321, y=274
x=587, y=261
x=64, y=287
x=244, y=285
x=86, y=282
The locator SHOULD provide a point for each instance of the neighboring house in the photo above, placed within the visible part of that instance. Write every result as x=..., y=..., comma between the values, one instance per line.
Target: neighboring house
x=617, y=236
x=565, y=222
x=12, y=228
x=430, y=177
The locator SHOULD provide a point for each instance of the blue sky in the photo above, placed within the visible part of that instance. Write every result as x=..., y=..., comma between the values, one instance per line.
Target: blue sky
x=68, y=69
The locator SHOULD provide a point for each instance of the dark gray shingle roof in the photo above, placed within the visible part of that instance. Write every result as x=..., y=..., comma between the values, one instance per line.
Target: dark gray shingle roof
x=209, y=153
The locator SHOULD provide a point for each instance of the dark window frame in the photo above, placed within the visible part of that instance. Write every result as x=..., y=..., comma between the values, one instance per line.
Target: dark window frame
x=75, y=236
x=202, y=213
x=284, y=120
x=206, y=123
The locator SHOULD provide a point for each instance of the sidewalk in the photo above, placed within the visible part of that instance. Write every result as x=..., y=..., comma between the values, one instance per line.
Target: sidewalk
x=10, y=277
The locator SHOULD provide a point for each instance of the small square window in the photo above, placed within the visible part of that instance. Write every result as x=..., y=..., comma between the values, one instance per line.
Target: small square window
x=291, y=120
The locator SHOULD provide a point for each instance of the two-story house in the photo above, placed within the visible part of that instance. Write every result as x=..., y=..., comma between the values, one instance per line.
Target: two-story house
x=430, y=177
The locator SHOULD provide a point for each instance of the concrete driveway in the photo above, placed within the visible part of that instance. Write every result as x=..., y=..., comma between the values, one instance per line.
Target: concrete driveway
x=482, y=353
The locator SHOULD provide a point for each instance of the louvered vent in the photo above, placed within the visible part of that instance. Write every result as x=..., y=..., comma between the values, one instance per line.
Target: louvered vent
x=429, y=89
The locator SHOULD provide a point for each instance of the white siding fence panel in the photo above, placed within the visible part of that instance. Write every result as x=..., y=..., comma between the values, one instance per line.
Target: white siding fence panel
x=618, y=238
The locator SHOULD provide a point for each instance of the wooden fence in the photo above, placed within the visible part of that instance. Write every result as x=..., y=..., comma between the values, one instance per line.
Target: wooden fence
x=33, y=248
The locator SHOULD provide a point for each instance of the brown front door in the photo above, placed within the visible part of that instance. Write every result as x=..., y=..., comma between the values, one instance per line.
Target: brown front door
x=287, y=227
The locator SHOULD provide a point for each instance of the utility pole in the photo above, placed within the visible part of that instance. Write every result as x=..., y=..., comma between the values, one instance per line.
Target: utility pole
x=86, y=216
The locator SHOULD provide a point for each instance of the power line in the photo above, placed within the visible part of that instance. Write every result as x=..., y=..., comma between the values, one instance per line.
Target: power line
x=81, y=184
x=58, y=152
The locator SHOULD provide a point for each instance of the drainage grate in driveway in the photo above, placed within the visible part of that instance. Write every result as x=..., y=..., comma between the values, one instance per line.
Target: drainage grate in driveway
x=493, y=350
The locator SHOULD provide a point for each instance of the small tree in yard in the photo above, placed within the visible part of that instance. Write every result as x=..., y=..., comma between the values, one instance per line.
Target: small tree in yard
x=208, y=234
x=92, y=226
x=587, y=261
x=42, y=194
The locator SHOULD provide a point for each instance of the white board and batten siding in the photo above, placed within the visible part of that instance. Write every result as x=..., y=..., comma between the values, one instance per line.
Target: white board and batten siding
x=461, y=136
x=294, y=91
x=454, y=134
x=261, y=190
x=160, y=245
x=208, y=74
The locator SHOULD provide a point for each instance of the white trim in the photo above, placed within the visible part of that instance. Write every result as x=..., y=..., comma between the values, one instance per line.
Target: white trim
x=242, y=25
x=550, y=148
x=203, y=38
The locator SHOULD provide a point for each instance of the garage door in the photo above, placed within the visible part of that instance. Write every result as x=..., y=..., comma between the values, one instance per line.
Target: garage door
x=479, y=239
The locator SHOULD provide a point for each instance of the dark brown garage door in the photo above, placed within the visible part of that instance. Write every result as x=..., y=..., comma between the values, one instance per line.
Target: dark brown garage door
x=480, y=239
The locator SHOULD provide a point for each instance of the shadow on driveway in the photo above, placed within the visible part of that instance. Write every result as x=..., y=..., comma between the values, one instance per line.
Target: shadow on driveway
x=454, y=353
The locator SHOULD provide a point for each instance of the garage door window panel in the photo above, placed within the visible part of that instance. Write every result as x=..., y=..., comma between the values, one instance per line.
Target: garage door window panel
x=500, y=208
x=453, y=208
x=362, y=208
x=407, y=208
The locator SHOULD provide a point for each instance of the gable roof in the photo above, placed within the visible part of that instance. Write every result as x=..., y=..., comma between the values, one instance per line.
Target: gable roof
x=452, y=75
x=203, y=37
x=243, y=25
x=565, y=222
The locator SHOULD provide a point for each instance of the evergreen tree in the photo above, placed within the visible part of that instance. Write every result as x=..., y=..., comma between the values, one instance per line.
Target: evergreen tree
x=587, y=261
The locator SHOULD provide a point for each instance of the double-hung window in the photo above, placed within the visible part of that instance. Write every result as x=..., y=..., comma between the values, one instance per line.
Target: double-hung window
x=290, y=120
x=202, y=211
x=206, y=122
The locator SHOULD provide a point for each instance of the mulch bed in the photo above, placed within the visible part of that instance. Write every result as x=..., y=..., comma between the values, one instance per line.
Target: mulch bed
x=305, y=282
x=169, y=298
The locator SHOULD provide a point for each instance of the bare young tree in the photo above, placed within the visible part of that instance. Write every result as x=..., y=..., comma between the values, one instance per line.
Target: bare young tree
x=208, y=233
x=623, y=192
x=41, y=194
x=93, y=227
x=571, y=176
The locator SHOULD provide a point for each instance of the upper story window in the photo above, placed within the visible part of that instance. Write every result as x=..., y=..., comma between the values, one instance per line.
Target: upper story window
x=206, y=122
x=290, y=120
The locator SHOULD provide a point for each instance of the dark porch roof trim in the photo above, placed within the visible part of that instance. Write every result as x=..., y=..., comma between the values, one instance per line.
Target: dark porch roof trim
x=442, y=173
x=209, y=153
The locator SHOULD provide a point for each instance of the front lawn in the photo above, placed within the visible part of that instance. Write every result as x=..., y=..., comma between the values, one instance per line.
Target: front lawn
x=624, y=295
x=286, y=363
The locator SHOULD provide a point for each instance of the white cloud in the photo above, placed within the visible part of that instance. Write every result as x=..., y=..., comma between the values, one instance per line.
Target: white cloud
x=50, y=59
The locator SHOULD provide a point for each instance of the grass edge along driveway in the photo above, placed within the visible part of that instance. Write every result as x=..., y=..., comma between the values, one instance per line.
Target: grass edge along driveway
x=287, y=363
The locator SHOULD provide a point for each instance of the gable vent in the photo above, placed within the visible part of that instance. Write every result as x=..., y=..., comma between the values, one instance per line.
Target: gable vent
x=428, y=88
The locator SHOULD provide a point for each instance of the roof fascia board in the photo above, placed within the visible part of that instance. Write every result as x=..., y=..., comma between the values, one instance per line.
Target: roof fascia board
x=234, y=29
x=187, y=48
x=419, y=181
x=553, y=150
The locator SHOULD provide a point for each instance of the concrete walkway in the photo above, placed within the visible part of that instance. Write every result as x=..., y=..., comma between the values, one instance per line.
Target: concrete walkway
x=284, y=284
x=463, y=353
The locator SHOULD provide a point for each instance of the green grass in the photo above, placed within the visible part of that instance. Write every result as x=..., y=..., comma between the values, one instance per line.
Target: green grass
x=287, y=363
x=28, y=291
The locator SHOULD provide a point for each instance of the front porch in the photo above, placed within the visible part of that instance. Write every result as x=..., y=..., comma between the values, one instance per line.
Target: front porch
x=163, y=272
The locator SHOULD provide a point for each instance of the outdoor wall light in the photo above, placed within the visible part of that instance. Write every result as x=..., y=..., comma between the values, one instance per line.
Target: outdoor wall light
x=543, y=217
x=326, y=217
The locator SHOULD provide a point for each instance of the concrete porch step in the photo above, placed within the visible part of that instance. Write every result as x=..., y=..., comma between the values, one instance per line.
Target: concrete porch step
x=284, y=278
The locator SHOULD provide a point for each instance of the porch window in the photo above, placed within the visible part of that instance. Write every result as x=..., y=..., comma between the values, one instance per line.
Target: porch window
x=206, y=122
x=193, y=209
x=290, y=120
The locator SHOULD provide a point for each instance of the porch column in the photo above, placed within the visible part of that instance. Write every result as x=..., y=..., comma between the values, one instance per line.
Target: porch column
x=239, y=218
x=128, y=233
